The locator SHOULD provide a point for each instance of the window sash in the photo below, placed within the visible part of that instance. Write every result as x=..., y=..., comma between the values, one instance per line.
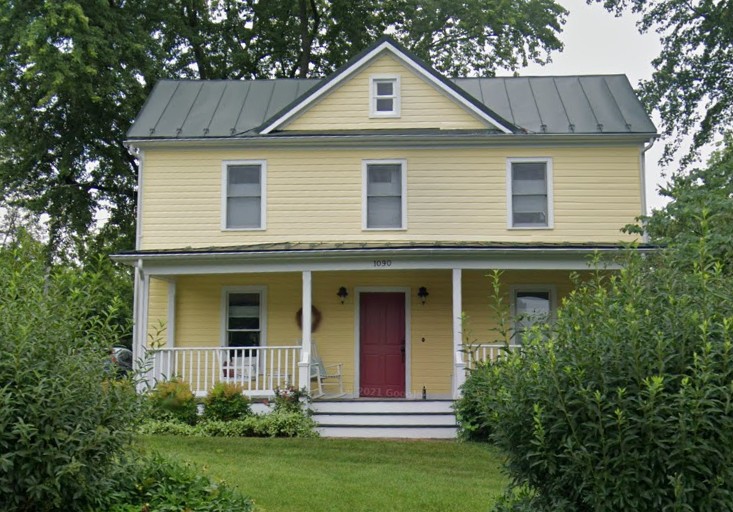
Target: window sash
x=384, y=102
x=384, y=196
x=244, y=196
x=530, y=194
x=238, y=334
x=531, y=307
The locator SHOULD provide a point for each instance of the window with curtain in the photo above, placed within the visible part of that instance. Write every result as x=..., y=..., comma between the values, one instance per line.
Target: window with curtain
x=384, y=199
x=529, y=194
x=244, y=196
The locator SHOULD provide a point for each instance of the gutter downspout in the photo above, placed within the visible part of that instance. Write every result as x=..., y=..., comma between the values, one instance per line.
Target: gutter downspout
x=642, y=177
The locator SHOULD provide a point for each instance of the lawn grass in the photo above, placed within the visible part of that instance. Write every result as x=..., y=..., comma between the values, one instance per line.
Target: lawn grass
x=344, y=474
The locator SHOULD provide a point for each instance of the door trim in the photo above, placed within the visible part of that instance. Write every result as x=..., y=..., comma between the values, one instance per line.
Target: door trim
x=358, y=290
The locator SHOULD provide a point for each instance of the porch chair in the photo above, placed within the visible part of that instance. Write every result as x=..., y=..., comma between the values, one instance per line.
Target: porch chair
x=325, y=374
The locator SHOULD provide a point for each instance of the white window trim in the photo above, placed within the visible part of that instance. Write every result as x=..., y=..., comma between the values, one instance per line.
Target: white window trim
x=364, y=180
x=225, y=291
x=513, y=289
x=263, y=193
x=550, y=198
x=373, y=113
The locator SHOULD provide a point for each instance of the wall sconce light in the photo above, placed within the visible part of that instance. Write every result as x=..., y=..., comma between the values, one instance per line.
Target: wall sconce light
x=423, y=294
x=342, y=294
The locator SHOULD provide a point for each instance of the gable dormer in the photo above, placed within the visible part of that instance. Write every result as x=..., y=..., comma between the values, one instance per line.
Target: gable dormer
x=386, y=88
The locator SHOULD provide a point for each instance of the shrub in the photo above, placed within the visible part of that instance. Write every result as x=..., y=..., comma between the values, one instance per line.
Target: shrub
x=156, y=484
x=275, y=424
x=62, y=424
x=226, y=402
x=173, y=399
x=626, y=403
x=473, y=412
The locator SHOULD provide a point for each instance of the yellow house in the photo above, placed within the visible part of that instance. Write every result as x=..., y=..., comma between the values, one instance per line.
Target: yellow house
x=378, y=199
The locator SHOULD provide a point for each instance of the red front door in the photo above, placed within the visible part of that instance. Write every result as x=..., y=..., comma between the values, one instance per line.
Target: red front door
x=382, y=344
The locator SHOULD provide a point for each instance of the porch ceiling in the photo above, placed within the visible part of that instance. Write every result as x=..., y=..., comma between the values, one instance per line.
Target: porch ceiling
x=299, y=256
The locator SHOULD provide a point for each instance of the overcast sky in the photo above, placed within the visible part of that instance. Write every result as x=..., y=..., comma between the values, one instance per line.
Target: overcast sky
x=597, y=42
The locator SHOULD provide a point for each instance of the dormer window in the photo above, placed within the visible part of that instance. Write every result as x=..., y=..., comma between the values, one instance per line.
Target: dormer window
x=384, y=96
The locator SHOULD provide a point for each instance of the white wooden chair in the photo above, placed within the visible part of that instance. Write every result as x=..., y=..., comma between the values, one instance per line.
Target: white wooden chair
x=325, y=374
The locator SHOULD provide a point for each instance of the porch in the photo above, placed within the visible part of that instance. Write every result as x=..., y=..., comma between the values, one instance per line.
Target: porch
x=396, y=319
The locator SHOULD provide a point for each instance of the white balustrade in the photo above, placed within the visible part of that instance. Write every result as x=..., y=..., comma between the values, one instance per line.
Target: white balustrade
x=259, y=370
x=486, y=352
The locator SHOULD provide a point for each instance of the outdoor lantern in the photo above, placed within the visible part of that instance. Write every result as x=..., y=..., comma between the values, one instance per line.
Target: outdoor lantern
x=423, y=294
x=342, y=293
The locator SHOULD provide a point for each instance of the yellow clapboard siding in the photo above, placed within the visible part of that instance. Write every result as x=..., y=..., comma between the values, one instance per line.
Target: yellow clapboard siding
x=422, y=104
x=453, y=194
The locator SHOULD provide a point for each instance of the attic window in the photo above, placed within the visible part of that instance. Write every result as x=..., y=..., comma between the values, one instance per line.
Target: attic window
x=384, y=96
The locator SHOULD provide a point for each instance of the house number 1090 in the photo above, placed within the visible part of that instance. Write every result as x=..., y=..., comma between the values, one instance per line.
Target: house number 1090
x=382, y=263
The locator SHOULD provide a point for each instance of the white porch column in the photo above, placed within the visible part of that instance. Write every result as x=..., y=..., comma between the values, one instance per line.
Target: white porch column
x=459, y=365
x=171, y=323
x=305, y=351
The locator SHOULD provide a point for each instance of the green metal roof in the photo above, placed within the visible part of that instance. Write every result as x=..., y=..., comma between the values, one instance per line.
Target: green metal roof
x=556, y=105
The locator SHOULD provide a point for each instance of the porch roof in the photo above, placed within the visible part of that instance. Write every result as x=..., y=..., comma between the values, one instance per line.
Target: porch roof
x=387, y=246
x=296, y=256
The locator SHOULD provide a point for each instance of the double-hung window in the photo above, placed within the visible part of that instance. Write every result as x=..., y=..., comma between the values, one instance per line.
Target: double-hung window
x=530, y=305
x=244, y=195
x=529, y=194
x=384, y=96
x=384, y=194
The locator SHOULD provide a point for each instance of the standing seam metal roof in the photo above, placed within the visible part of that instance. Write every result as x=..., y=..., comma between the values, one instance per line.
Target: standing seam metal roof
x=585, y=104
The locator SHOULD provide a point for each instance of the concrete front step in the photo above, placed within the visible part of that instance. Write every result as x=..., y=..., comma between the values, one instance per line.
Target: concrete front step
x=405, y=432
x=376, y=419
x=409, y=419
x=382, y=406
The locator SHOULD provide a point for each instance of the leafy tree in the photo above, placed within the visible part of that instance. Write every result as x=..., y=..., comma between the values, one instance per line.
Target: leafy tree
x=692, y=85
x=73, y=73
x=701, y=206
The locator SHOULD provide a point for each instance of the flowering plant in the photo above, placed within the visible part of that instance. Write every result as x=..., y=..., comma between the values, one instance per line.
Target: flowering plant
x=290, y=398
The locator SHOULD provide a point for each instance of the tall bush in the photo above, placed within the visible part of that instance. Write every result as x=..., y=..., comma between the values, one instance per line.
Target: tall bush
x=63, y=423
x=626, y=402
x=226, y=402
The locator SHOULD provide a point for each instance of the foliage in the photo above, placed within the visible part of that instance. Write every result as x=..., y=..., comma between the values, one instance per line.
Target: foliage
x=63, y=425
x=626, y=402
x=291, y=399
x=73, y=73
x=173, y=400
x=275, y=424
x=225, y=402
x=700, y=207
x=691, y=86
x=472, y=413
x=156, y=484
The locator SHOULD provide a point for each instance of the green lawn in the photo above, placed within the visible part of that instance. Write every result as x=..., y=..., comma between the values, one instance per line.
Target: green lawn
x=346, y=475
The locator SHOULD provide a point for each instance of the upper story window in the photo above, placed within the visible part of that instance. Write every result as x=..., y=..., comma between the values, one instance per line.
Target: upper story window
x=384, y=96
x=244, y=195
x=384, y=194
x=531, y=305
x=529, y=193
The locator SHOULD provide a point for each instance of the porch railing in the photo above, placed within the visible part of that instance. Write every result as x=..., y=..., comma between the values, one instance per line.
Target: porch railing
x=486, y=352
x=259, y=370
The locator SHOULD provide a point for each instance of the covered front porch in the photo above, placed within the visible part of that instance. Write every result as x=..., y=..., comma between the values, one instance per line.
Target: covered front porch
x=387, y=323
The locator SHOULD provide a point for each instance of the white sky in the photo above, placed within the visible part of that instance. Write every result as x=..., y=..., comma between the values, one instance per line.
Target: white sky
x=597, y=42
